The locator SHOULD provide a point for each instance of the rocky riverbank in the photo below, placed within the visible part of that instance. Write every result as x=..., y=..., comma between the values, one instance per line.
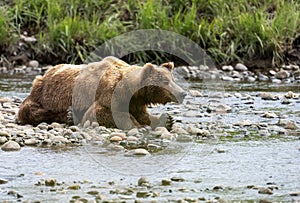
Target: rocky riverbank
x=202, y=117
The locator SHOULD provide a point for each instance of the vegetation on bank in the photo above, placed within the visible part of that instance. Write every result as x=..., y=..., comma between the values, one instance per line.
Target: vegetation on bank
x=229, y=30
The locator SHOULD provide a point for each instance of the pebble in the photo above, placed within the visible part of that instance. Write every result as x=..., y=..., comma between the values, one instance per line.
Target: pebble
x=267, y=96
x=177, y=179
x=74, y=187
x=269, y=114
x=33, y=63
x=3, y=181
x=283, y=74
x=59, y=138
x=4, y=133
x=118, y=134
x=291, y=125
x=115, y=139
x=11, y=146
x=143, y=194
x=31, y=141
x=267, y=191
x=140, y=152
x=290, y=95
x=142, y=181
x=132, y=132
x=240, y=67
x=297, y=193
x=50, y=182
x=184, y=138
x=165, y=182
x=195, y=93
x=3, y=140
x=227, y=68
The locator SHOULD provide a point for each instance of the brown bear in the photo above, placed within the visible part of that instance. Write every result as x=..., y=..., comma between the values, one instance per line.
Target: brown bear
x=110, y=92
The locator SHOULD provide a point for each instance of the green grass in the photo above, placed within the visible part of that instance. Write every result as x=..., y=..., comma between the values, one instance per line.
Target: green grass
x=229, y=30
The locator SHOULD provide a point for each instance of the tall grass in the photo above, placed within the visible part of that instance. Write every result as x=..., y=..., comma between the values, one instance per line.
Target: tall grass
x=229, y=30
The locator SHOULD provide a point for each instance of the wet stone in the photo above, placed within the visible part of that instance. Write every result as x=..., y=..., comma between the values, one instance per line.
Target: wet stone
x=115, y=139
x=227, y=68
x=11, y=146
x=140, y=152
x=3, y=181
x=118, y=134
x=31, y=141
x=3, y=140
x=93, y=192
x=74, y=187
x=142, y=181
x=177, y=179
x=143, y=194
x=291, y=125
x=50, y=182
x=240, y=67
x=267, y=191
x=294, y=194
x=165, y=182
x=133, y=132
x=269, y=114
x=184, y=138
x=4, y=134
x=283, y=74
x=267, y=96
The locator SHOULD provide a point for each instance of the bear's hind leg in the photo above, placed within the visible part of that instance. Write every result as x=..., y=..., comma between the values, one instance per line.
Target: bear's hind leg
x=33, y=113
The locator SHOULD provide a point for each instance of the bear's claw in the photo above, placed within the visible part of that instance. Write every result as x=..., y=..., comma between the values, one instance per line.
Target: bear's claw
x=167, y=121
x=70, y=120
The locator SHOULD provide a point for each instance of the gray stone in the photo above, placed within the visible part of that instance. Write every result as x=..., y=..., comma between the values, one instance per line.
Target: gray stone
x=132, y=132
x=268, y=96
x=3, y=181
x=3, y=140
x=140, y=152
x=177, y=179
x=165, y=182
x=50, y=182
x=227, y=68
x=227, y=78
x=240, y=67
x=59, y=138
x=290, y=95
x=283, y=74
x=95, y=124
x=31, y=141
x=33, y=64
x=4, y=134
x=196, y=93
x=119, y=134
x=276, y=81
x=142, y=181
x=11, y=146
x=267, y=191
x=269, y=114
x=142, y=194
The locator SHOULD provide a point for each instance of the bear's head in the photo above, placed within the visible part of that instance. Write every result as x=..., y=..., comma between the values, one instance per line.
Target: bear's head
x=158, y=84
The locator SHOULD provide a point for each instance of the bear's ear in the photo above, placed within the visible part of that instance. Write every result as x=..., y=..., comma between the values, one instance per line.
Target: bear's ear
x=169, y=65
x=148, y=69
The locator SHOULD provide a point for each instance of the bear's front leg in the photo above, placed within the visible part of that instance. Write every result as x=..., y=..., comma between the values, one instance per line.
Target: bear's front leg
x=164, y=120
x=104, y=116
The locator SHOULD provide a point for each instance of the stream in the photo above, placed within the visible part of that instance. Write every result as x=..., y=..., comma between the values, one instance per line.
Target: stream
x=226, y=169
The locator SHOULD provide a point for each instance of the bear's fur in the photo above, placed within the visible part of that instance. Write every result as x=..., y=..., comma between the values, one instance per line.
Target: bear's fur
x=111, y=92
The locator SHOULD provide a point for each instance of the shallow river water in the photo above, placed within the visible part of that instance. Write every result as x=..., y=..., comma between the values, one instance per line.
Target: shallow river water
x=207, y=173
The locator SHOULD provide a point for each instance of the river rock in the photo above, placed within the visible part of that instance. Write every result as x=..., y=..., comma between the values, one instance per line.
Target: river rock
x=283, y=74
x=240, y=67
x=142, y=194
x=269, y=114
x=177, y=179
x=74, y=187
x=33, y=64
x=268, y=96
x=31, y=141
x=115, y=139
x=118, y=134
x=296, y=193
x=221, y=108
x=291, y=125
x=11, y=146
x=140, y=152
x=165, y=182
x=195, y=93
x=143, y=181
x=184, y=138
x=3, y=140
x=227, y=78
x=297, y=75
x=262, y=77
x=290, y=95
x=4, y=134
x=59, y=138
x=133, y=132
x=285, y=101
x=50, y=182
x=267, y=191
x=227, y=68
